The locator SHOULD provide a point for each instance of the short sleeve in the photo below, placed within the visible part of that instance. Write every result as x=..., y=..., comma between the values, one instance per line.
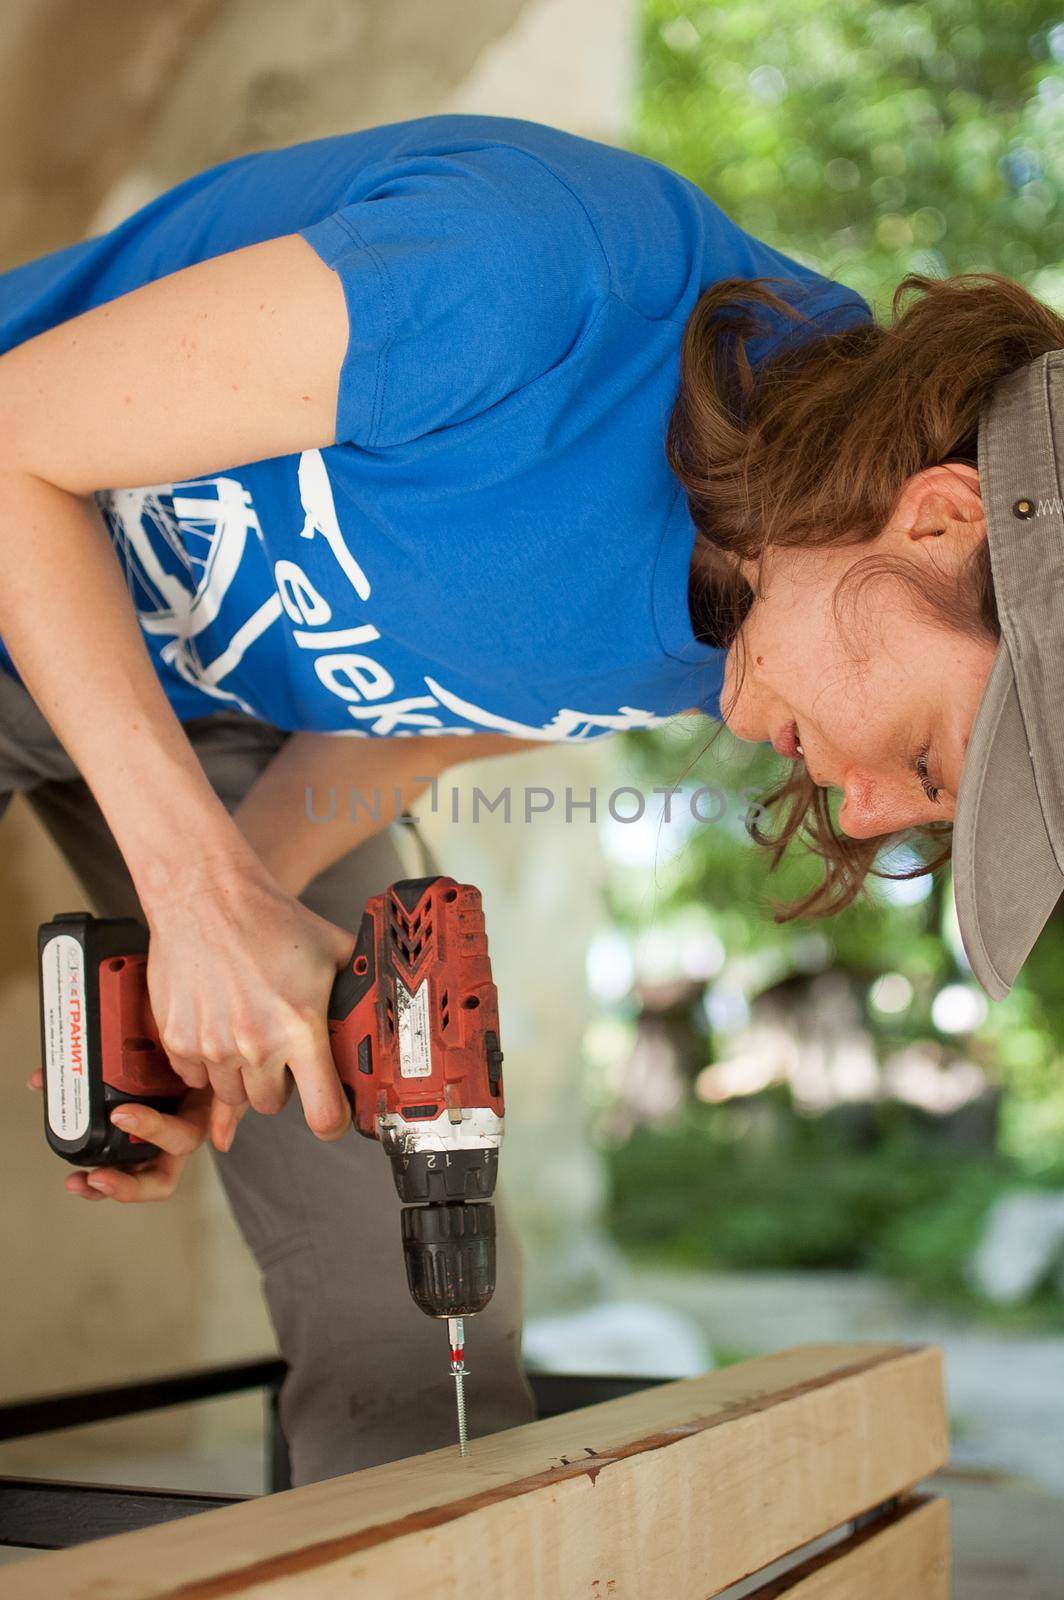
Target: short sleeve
x=467, y=276
x=825, y=306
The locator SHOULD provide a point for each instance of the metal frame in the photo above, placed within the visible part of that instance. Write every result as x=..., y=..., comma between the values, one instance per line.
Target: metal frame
x=46, y=1514
x=42, y=1514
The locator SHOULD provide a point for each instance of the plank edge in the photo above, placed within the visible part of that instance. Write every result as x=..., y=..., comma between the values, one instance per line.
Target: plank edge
x=912, y=1510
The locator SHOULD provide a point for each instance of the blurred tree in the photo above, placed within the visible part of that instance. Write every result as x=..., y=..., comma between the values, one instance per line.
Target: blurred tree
x=868, y=142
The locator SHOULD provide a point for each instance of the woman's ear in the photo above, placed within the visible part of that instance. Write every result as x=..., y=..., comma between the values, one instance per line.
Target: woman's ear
x=940, y=509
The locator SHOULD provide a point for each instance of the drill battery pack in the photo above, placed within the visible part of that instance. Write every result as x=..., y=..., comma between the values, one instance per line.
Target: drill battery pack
x=95, y=1014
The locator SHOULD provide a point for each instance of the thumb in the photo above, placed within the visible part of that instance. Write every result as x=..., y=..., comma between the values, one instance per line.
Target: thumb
x=35, y=1079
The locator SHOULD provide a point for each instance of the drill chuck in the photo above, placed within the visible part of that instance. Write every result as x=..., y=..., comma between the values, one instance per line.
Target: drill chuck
x=423, y=1178
x=449, y=1251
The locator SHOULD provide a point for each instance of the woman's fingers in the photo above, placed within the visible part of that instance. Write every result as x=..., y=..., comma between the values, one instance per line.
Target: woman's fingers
x=222, y=1075
x=325, y=1106
x=190, y=1069
x=223, y=1123
x=78, y=1183
x=268, y=1087
x=227, y=1082
x=156, y=1180
x=177, y=1135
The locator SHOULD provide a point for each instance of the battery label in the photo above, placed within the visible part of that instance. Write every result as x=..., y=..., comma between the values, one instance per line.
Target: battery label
x=66, y=1066
x=412, y=1027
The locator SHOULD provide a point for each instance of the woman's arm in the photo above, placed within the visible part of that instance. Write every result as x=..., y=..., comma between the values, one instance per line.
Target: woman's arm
x=274, y=818
x=235, y=360
x=321, y=795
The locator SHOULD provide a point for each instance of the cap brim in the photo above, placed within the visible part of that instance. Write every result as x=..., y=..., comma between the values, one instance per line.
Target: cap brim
x=1005, y=876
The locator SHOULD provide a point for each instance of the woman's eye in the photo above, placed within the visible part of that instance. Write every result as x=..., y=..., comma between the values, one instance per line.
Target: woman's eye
x=921, y=771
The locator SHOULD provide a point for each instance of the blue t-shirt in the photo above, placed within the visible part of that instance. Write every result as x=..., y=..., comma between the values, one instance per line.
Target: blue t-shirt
x=494, y=541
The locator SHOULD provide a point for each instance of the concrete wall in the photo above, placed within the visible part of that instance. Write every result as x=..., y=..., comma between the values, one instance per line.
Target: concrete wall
x=101, y=106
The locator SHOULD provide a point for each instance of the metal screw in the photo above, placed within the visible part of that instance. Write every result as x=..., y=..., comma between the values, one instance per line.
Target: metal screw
x=459, y=1394
x=459, y=1372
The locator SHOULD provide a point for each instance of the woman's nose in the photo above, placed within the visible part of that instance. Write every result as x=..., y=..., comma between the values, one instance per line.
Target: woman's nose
x=874, y=805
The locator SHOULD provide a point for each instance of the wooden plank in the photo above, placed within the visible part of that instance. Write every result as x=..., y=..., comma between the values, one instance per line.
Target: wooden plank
x=904, y=1557
x=677, y=1492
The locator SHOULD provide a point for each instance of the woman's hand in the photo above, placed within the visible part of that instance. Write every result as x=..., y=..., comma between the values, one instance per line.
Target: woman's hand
x=177, y=1136
x=239, y=977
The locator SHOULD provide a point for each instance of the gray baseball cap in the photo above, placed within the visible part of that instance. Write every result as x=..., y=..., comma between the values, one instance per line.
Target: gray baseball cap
x=1008, y=831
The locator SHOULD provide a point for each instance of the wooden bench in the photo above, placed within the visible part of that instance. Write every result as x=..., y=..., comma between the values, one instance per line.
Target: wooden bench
x=675, y=1493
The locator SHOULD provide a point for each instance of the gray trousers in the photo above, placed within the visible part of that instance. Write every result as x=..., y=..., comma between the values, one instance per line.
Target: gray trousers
x=368, y=1377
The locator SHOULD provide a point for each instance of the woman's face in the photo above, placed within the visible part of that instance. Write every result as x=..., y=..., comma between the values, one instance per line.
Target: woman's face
x=882, y=700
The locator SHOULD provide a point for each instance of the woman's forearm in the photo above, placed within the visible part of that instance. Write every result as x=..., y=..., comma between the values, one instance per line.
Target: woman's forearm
x=69, y=625
x=288, y=816
x=299, y=817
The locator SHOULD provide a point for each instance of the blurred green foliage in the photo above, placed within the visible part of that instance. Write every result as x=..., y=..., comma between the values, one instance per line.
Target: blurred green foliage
x=813, y=1199
x=1020, y=1043
x=867, y=141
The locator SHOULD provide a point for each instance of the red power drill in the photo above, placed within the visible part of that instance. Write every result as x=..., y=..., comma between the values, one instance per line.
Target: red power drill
x=414, y=1030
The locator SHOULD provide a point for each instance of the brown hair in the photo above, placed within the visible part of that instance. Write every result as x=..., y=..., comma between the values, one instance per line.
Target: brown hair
x=812, y=447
